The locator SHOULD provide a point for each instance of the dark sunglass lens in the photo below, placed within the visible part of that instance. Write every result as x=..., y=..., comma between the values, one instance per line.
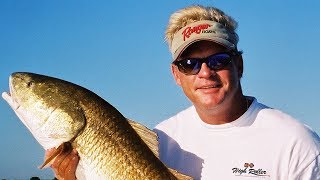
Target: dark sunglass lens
x=218, y=61
x=189, y=66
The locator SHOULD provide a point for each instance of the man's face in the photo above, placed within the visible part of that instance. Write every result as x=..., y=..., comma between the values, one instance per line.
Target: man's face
x=209, y=88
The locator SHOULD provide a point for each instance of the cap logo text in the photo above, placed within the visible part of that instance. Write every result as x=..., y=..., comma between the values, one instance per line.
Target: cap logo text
x=196, y=29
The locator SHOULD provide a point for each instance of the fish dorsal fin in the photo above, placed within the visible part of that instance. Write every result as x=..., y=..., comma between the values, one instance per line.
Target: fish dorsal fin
x=50, y=159
x=179, y=175
x=147, y=135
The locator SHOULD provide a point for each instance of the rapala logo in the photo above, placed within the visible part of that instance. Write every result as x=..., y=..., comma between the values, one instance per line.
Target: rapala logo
x=201, y=28
x=248, y=170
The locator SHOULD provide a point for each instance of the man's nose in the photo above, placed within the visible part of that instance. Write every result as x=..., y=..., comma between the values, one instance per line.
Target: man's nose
x=205, y=71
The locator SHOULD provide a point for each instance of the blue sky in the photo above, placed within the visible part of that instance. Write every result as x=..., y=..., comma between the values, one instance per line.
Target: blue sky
x=117, y=50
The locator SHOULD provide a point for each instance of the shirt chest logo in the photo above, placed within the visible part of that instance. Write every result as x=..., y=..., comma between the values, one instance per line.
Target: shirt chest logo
x=248, y=169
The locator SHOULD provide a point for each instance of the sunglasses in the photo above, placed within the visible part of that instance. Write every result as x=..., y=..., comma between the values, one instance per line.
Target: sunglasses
x=192, y=66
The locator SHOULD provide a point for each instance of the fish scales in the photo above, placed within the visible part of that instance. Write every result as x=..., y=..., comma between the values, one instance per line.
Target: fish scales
x=108, y=145
x=119, y=135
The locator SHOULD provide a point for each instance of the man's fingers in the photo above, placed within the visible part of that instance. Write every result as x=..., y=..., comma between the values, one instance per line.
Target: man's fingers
x=57, y=163
x=70, y=171
x=65, y=164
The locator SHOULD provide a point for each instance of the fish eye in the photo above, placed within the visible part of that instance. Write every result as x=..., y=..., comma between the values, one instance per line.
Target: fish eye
x=30, y=83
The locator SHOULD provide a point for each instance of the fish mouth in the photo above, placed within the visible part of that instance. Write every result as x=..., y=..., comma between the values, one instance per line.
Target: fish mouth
x=10, y=86
x=14, y=102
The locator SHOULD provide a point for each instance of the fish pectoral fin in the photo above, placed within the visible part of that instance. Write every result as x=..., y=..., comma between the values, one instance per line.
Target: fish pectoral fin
x=56, y=152
x=147, y=135
x=179, y=175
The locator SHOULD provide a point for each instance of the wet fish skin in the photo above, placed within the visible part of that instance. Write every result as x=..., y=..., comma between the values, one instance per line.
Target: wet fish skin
x=107, y=143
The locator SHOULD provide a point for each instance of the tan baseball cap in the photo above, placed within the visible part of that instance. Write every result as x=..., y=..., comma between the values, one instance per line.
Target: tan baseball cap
x=202, y=30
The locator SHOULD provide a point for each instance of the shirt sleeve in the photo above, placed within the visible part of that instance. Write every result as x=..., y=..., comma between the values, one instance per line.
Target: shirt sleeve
x=312, y=171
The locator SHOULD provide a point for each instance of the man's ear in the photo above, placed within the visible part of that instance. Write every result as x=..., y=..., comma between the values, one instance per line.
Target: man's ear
x=175, y=74
x=240, y=66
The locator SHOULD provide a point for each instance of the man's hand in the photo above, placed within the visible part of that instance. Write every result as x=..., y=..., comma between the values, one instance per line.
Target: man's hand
x=65, y=164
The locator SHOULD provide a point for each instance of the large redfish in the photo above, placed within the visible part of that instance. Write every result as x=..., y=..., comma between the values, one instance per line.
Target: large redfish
x=110, y=146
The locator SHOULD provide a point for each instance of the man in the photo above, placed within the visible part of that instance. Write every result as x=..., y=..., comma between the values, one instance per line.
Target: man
x=224, y=134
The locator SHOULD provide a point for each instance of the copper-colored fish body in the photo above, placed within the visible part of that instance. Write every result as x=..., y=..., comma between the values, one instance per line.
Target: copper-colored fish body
x=109, y=146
